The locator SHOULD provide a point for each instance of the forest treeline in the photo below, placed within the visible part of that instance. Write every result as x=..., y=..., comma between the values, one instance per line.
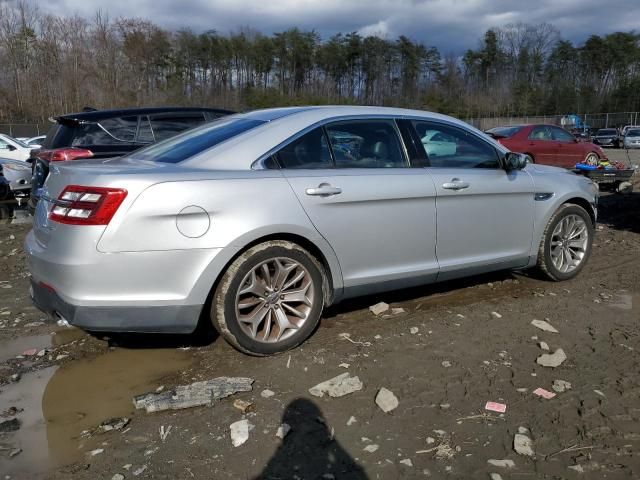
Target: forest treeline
x=56, y=64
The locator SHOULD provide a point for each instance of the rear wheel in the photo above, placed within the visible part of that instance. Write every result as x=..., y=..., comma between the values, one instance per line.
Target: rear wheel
x=591, y=159
x=270, y=298
x=529, y=158
x=566, y=243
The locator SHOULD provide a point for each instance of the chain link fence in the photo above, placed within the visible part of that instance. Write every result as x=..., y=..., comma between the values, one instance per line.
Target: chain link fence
x=27, y=130
x=584, y=121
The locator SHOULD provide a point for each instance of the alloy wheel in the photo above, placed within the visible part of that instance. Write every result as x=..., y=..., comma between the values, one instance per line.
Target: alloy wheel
x=569, y=243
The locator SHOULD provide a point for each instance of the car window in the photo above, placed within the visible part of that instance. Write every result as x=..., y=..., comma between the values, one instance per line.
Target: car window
x=109, y=131
x=365, y=144
x=634, y=132
x=562, y=135
x=145, y=134
x=3, y=144
x=192, y=142
x=167, y=125
x=503, y=132
x=541, y=132
x=309, y=151
x=456, y=149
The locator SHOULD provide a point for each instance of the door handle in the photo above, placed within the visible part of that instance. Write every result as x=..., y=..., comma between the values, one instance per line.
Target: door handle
x=323, y=190
x=455, y=184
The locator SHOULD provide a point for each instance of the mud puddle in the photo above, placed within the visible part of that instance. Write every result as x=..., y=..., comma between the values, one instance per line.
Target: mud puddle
x=60, y=403
x=16, y=346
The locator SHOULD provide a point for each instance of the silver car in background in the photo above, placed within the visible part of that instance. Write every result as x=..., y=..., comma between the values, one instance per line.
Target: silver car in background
x=632, y=138
x=257, y=221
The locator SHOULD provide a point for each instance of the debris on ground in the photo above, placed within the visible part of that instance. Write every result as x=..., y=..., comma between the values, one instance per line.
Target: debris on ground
x=506, y=463
x=351, y=421
x=397, y=311
x=522, y=444
x=553, y=360
x=266, y=393
x=407, y=462
x=544, y=325
x=10, y=425
x=446, y=363
x=283, y=430
x=541, y=392
x=339, y=386
x=561, y=386
x=379, y=308
x=386, y=400
x=495, y=476
x=164, y=432
x=495, y=407
x=114, y=424
x=95, y=452
x=496, y=315
x=244, y=406
x=240, y=432
x=117, y=476
x=30, y=352
x=197, y=394
x=371, y=448
x=544, y=346
x=414, y=330
x=139, y=471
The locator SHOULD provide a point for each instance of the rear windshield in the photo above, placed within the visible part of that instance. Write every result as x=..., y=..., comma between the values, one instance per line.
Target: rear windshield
x=607, y=131
x=196, y=140
x=503, y=132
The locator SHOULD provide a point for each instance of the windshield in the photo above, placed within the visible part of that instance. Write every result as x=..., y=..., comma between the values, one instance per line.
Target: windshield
x=196, y=140
x=607, y=131
x=18, y=142
x=503, y=132
x=634, y=132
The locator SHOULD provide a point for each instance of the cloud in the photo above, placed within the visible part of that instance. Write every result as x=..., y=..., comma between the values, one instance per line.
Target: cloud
x=451, y=25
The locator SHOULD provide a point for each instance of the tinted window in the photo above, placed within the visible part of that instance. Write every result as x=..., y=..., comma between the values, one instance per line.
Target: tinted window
x=635, y=132
x=365, y=144
x=195, y=141
x=452, y=147
x=562, y=135
x=110, y=131
x=606, y=131
x=167, y=125
x=541, y=133
x=504, y=132
x=308, y=151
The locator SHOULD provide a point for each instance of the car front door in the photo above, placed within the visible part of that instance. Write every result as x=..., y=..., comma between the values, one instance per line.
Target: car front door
x=541, y=144
x=355, y=184
x=569, y=151
x=484, y=213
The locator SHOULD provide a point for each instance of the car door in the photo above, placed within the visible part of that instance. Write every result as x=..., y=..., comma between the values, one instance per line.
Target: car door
x=8, y=149
x=541, y=144
x=484, y=213
x=569, y=151
x=355, y=184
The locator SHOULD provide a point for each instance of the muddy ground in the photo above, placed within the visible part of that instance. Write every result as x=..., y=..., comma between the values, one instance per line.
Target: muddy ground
x=461, y=356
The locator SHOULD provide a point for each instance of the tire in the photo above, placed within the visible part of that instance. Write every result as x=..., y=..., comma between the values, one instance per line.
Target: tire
x=530, y=158
x=546, y=261
x=591, y=157
x=234, y=298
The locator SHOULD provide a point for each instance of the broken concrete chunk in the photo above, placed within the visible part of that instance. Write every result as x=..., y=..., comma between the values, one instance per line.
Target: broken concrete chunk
x=379, y=308
x=407, y=462
x=283, y=430
x=386, y=400
x=397, y=311
x=371, y=448
x=414, y=330
x=243, y=406
x=523, y=445
x=506, y=463
x=339, y=386
x=553, y=360
x=544, y=346
x=542, y=325
x=266, y=393
x=240, y=432
x=194, y=395
x=561, y=386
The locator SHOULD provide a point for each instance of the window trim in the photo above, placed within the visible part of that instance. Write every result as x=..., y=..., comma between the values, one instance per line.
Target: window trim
x=276, y=155
x=499, y=154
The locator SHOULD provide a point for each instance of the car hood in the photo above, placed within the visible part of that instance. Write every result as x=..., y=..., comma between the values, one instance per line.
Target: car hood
x=536, y=168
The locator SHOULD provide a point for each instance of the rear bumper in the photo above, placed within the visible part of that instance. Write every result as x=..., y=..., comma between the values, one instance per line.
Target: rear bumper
x=143, y=319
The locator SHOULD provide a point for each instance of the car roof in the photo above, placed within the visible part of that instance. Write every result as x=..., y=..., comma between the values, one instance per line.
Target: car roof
x=96, y=115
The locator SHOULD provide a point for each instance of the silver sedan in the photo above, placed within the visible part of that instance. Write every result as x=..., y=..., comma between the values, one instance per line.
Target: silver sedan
x=258, y=221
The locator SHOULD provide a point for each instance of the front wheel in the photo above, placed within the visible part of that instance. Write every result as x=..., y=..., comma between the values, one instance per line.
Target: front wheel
x=270, y=298
x=566, y=243
x=591, y=159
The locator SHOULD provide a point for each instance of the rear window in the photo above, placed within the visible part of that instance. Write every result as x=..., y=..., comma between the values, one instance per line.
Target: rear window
x=195, y=141
x=168, y=125
x=503, y=132
x=110, y=131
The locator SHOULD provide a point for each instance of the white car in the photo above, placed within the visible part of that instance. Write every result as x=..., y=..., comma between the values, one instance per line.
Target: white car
x=35, y=142
x=13, y=149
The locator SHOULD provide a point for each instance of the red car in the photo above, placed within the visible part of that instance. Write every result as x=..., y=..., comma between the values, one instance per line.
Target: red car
x=548, y=145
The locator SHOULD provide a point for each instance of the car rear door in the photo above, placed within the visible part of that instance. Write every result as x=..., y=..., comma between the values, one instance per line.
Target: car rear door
x=541, y=144
x=355, y=184
x=484, y=214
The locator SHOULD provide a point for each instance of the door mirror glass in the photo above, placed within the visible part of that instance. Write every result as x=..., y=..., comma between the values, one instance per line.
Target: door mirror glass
x=515, y=161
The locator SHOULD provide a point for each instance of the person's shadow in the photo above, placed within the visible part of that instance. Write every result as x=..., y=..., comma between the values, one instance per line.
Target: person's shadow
x=309, y=451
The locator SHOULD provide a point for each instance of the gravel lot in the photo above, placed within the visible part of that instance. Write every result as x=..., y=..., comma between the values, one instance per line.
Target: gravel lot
x=454, y=347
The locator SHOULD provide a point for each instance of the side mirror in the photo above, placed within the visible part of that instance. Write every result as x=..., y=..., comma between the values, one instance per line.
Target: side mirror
x=11, y=148
x=515, y=161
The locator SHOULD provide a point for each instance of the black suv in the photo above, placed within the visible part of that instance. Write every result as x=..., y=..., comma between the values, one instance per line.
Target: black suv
x=110, y=133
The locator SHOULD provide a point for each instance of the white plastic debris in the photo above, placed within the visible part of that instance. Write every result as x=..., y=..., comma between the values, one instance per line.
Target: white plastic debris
x=240, y=432
x=283, y=430
x=414, y=330
x=542, y=325
x=496, y=315
x=523, y=445
x=506, y=463
x=553, y=360
x=371, y=448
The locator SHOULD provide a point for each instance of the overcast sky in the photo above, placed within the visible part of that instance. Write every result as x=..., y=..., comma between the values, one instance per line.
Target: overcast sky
x=451, y=25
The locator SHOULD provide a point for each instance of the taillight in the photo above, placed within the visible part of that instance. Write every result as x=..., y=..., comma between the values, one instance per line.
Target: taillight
x=79, y=205
x=64, y=154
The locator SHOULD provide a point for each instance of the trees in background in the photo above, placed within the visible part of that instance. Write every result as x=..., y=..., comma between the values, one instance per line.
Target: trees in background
x=55, y=64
